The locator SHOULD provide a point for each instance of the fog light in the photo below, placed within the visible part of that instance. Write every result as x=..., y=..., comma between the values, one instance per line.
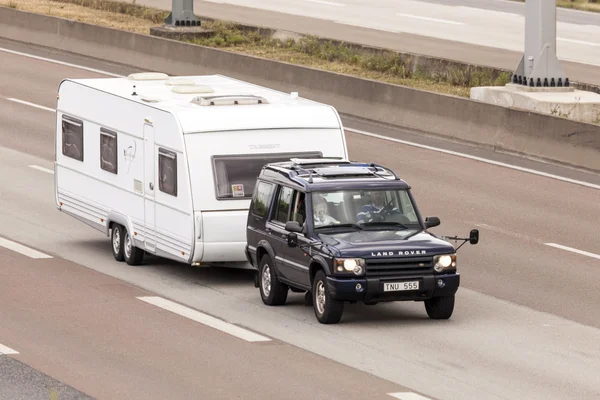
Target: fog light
x=358, y=287
x=441, y=283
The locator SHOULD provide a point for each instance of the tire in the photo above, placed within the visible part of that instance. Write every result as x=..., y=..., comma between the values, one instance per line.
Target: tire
x=440, y=307
x=132, y=254
x=116, y=239
x=327, y=310
x=272, y=291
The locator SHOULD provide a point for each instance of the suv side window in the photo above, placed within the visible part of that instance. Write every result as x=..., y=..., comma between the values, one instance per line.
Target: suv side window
x=262, y=197
x=299, y=208
x=284, y=201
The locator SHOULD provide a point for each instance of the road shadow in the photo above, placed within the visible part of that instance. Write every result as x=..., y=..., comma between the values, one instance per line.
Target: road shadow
x=222, y=279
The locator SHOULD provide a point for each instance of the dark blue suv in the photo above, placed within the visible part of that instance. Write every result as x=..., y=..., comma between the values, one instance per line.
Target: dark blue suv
x=346, y=231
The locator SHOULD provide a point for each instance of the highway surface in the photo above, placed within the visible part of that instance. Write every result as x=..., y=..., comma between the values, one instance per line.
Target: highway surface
x=484, y=32
x=526, y=324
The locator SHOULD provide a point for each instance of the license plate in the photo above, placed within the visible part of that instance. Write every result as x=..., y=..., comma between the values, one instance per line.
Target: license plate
x=398, y=286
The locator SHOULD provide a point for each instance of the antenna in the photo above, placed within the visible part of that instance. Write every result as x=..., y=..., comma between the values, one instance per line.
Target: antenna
x=134, y=93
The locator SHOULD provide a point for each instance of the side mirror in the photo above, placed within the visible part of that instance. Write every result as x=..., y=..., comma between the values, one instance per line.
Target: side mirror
x=292, y=239
x=474, y=236
x=430, y=222
x=293, y=226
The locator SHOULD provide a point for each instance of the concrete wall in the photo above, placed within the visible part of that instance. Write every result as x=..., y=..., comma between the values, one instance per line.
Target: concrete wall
x=521, y=131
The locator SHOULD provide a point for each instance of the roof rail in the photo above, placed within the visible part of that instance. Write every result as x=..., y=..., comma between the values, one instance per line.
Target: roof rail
x=225, y=100
x=385, y=169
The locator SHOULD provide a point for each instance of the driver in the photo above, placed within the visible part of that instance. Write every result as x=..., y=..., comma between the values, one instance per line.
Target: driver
x=377, y=205
x=321, y=217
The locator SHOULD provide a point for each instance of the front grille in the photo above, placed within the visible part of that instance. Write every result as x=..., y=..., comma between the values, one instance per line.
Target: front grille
x=388, y=267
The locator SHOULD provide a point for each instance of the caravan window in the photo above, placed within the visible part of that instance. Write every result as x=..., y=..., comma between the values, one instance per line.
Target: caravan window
x=72, y=137
x=167, y=171
x=108, y=150
x=235, y=176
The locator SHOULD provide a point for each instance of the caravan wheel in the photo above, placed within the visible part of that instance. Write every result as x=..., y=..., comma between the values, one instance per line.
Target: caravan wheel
x=132, y=254
x=117, y=242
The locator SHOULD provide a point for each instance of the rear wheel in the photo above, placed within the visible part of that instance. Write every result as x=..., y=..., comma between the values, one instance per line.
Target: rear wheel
x=440, y=307
x=117, y=242
x=327, y=310
x=272, y=291
x=132, y=254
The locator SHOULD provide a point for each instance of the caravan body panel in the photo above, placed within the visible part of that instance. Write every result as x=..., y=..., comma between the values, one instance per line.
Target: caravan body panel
x=96, y=177
x=162, y=157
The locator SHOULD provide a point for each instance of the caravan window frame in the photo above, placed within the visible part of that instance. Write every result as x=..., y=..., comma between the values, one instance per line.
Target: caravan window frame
x=162, y=152
x=112, y=135
x=248, y=194
x=78, y=131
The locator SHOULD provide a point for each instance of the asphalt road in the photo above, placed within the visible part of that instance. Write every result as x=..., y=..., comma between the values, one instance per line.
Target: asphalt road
x=526, y=324
x=94, y=333
x=488, y=32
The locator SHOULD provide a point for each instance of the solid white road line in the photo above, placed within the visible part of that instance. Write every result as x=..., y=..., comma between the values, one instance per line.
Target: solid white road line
x=445, y=21
x=408, y=396
x=7, y=350
x=583, y=253
x=485, y=160
x=578, y=42
x=204, y=319
x=329, y=3
x=59, y=62
x=42, y=169
x=19, y=248
x=30, y=104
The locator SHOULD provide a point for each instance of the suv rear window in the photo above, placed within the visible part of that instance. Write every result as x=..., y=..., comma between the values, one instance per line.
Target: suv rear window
x=235, y=175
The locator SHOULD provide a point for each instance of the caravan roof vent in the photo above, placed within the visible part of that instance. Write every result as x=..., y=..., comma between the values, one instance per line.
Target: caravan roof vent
x=192, y=89
x=229, y=100
x=148, y=76
x=180, y=82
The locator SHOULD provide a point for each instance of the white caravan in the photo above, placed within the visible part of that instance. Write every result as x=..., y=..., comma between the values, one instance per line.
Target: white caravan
x=167, y=165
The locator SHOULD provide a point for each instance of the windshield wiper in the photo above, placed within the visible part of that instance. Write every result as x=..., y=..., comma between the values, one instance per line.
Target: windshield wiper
x=340, y=226
x=385, y=223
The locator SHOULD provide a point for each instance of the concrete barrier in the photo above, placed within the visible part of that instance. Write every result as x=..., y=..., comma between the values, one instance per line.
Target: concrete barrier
x=538, y=135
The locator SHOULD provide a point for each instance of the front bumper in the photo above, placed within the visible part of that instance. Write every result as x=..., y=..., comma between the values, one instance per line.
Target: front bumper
x=372, y=288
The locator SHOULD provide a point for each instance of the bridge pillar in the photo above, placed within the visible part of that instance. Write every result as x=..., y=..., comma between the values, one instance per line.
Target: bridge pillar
x=182, y=14
x=539, y=66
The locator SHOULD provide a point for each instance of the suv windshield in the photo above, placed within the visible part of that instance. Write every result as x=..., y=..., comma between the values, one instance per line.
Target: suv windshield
x=392, y=209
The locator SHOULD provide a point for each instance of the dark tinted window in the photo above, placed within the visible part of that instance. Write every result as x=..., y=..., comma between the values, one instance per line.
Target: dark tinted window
x=284, y=201
x=108, y=150
x=261, y=198
x=72, y=138
x=167, y=171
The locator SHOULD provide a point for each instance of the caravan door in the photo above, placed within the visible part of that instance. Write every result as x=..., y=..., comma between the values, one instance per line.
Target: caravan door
x=149, y=184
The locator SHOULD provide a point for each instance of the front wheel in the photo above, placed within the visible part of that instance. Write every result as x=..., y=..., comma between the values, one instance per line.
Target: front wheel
x=117, y=242
x=272, y=291
x=327, y=310
x=440, y=307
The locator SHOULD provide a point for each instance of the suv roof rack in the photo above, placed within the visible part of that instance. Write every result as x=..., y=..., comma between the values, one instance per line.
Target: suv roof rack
x=336, y=167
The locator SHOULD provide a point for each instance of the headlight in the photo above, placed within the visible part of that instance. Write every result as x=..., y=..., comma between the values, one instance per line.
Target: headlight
x=444, y=261
x=355, y=265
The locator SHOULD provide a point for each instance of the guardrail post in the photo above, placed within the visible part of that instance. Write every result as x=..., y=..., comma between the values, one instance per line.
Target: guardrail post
x=539, y=65
x=182, y=14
